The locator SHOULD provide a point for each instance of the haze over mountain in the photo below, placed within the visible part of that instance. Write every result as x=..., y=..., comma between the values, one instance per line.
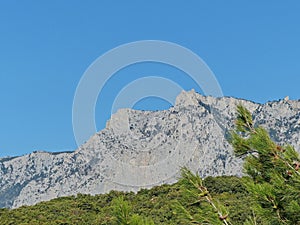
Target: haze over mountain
x=140, y=149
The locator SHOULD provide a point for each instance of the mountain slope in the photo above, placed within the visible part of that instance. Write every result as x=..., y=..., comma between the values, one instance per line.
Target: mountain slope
x=140, y=149
x=156, y=203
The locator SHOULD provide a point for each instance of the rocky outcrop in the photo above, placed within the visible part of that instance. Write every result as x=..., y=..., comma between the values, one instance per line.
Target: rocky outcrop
x=140, y=149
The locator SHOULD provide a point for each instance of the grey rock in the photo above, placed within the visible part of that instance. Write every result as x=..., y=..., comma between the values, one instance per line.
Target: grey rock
x=141, y=149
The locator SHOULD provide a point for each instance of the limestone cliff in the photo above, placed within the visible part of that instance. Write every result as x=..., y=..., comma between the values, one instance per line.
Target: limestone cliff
x=141, y=149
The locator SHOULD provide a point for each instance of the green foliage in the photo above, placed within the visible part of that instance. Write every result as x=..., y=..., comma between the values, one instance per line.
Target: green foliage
x=244, y=121
x=195, y=193
x=274, y=169
x=121, y=211
x=123, y=214
x=147, y=207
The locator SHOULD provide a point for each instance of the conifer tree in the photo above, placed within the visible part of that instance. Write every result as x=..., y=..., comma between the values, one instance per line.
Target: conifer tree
x=195, y=193
x=123, y=215
x=274, y=169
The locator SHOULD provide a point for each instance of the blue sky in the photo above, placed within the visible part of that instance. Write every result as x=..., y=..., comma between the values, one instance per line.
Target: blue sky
x=253, y=48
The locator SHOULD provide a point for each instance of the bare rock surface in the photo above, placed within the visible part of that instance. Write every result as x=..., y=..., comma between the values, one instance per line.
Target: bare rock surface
x=141, y=149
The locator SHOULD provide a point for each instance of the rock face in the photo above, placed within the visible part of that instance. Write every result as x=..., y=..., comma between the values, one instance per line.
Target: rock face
x=140, y=149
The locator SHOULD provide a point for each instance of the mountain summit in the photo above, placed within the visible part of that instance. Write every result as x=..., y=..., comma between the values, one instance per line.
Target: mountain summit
x=141, y=149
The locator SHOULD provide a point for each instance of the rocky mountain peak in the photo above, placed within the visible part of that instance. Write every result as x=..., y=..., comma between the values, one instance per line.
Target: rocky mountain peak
x=119, y=122
x=140, y=149
x=187, y=98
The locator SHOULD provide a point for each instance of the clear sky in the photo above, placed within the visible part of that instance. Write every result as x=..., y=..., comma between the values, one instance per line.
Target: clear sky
x=253, y=48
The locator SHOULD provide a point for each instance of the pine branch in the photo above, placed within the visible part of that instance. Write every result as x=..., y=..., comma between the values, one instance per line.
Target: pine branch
x=193, y=188
x=273, y=168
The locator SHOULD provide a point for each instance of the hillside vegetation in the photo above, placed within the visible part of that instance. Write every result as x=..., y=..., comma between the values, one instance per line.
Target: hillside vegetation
x=156, y=203
x=269, y=195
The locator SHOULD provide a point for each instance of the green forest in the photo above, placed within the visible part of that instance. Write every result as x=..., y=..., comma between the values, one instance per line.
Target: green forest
x=156, y=204
x=268, y=194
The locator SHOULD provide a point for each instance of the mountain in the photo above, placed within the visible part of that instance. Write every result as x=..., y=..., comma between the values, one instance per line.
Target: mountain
x=141, y=149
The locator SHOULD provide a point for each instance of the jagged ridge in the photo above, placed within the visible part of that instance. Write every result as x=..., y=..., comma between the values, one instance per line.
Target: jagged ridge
x=144, y=148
